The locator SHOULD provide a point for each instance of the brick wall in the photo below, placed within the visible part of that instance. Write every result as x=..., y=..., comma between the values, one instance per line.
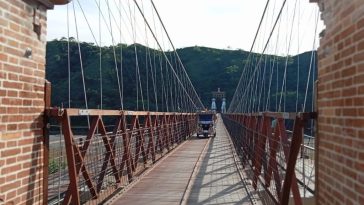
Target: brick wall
x=340, y=168
x=22, y=81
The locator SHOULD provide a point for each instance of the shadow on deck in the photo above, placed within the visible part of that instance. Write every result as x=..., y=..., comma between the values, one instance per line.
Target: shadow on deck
x=201, y=171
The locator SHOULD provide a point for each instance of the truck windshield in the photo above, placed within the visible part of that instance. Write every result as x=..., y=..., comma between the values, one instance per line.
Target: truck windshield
x=205, y=117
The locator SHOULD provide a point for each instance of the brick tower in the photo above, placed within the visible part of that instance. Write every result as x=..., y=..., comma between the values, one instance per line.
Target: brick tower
x=22, y=79
x=340, y=162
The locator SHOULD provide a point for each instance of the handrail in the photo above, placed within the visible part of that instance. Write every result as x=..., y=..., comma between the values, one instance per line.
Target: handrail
x=100, y=162
x=261, y=145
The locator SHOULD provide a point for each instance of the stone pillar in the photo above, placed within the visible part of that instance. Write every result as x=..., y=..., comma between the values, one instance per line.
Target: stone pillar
x=340, y=100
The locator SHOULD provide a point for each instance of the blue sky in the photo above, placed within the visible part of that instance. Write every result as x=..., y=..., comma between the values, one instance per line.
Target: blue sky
x=213, y=23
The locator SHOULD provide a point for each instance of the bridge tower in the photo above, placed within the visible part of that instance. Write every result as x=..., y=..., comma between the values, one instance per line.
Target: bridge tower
x=223, y=105
x=218, y=98
x=213, y=104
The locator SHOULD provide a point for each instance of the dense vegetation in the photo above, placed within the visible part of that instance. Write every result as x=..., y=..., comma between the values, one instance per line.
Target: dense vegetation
x=208, y=69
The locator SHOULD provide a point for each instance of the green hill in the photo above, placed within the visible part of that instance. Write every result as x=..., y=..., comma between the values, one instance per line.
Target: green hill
x=208, y=69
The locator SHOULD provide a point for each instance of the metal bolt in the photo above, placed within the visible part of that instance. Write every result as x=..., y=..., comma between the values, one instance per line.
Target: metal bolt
x=28, y=53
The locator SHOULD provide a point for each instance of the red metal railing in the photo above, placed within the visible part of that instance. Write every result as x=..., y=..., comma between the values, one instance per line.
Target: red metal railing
x=263, y=143
x=101, y=159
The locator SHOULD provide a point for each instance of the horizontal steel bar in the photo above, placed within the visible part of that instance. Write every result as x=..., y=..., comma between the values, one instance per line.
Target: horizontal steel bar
x=58, y=112
x=284, y=115
x=305, y=135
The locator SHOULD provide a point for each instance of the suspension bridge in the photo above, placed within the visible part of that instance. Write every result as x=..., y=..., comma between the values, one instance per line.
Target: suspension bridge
x=263, y=152
x=141, y=147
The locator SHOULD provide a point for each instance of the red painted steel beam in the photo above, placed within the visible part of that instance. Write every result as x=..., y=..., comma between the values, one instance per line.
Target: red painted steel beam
x=71, y=161
x=291, y=164
x=47, y=104
x=80, y=154
x=169, y=127
x=254, y=135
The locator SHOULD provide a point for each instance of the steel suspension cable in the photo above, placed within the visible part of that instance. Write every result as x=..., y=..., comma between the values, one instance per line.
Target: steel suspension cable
x=154, y=69
x=166, y=58
x=298, y=56
x=265, y=47
x=114, y=52
x=87, y=22
x=251, y=49
x=81, y=62
x=146, y=60
x=164, y=92
x=262, y=86
x=268, y=102
x=68, y=58
x=121, y=60
x=175, y=51
x=100, y=60
x=311, y=63
x=284, y=84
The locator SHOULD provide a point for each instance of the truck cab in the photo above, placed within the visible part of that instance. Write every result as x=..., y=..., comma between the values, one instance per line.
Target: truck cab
x=206, y=124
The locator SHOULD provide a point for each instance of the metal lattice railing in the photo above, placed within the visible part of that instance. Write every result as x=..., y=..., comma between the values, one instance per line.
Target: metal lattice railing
x=88, y=164
x=281, y=162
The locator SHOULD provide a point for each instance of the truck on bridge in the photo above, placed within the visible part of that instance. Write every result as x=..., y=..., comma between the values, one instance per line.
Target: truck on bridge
x=206, y=124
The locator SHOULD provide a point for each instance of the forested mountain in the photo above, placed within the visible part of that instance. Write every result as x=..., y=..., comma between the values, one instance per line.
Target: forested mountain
x=208, y=69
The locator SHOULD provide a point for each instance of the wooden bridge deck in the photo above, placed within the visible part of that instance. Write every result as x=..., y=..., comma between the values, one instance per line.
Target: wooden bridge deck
x=201, y=171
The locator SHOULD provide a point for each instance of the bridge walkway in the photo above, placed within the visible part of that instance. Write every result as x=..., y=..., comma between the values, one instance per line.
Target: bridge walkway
x=200, y=171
